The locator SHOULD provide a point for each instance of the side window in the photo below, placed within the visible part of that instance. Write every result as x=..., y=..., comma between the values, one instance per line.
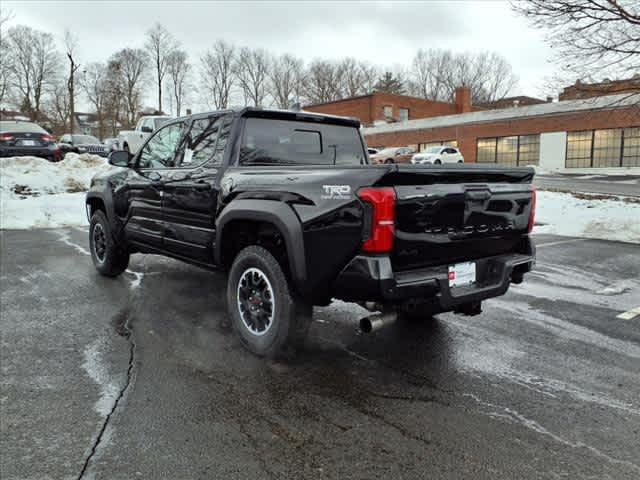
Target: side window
x=160, y=151
x=200, y=143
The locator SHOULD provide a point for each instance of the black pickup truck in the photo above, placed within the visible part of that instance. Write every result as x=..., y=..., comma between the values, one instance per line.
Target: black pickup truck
x=289, y=205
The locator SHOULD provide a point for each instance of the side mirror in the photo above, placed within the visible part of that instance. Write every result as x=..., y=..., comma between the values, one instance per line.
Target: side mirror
x=146, y=129
x=120, y=158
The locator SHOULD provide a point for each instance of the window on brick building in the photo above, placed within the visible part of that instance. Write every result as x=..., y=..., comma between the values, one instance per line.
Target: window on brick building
x=403, y=114
x=579, y=149
x=507, y=151
x=607, y=145
x=388, y=111
x=631, y=150
x=611, y=147
x=486, y=150
x=513, y=150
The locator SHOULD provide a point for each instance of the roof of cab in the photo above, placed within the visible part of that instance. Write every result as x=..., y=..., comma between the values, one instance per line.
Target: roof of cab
x=298, y=115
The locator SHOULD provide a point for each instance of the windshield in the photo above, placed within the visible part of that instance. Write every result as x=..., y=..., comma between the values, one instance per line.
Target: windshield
x=433, y=150
x=84, y=139
x=158, y=122
x=270, y=141
x=28, y=127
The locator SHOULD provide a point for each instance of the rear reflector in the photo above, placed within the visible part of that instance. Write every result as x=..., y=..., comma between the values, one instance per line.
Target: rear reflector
x=532, y=212
x=383, y=203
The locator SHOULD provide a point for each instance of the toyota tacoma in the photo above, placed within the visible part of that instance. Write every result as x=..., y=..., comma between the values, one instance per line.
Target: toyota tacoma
x=288, y=205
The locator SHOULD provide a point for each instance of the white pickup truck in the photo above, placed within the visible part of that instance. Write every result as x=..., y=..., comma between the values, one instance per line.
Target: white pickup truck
x=132, y=140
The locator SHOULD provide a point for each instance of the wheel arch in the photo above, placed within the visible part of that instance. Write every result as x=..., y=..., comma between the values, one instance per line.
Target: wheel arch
x=245, y=214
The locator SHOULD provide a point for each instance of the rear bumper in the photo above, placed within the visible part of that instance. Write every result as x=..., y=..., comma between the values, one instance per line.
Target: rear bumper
x=51, y=153
x=371, y=278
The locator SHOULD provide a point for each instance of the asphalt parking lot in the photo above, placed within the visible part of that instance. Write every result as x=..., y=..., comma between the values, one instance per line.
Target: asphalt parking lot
x=139, y=377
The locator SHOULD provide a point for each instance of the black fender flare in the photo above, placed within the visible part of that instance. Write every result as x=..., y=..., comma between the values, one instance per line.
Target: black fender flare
x=272, y=211
x=107, y=200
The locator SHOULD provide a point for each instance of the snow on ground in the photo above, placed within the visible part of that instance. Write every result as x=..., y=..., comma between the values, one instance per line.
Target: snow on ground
x=36, y=193
x=608, y=219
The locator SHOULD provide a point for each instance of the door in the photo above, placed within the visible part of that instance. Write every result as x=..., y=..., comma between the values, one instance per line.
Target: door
x=191, y=194
x=143, y=190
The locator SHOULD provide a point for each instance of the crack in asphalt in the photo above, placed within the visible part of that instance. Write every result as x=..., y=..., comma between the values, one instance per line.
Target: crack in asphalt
x=124, y=329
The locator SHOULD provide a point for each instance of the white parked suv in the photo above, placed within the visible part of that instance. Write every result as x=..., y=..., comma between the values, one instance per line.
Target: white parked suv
x=437, y=156
x=132, y=140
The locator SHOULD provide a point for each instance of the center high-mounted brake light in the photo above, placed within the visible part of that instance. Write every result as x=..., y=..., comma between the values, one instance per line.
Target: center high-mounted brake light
x=383, y=216
x=532, y=211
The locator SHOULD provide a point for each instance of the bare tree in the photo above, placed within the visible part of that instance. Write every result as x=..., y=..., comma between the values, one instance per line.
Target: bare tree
x=251, y=70
x=160, y=45
x=435, y=74
x=217, y=73
x=589, y=36
x=6, y=59
x=34, y=66
x=323, y=82
x=428, y=74
x=114, y=105
x=58, y=107
x=96, y=89
x=130, y=65
x=70, y=43
x=286, y=77
x=178, y=68
x=358, y=78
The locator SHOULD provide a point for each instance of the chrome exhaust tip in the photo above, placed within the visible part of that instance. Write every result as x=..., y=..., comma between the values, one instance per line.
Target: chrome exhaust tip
x=375, y=322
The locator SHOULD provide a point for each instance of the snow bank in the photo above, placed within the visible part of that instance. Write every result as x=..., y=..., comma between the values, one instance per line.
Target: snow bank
x=564, y=214
x=36, y=193
x=41, y=177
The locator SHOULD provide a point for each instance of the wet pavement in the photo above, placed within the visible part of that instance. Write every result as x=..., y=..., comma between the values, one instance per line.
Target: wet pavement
x=139, y=377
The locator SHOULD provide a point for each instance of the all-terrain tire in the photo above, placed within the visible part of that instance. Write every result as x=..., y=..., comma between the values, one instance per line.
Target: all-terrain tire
x=266, y=315
x=108, y=257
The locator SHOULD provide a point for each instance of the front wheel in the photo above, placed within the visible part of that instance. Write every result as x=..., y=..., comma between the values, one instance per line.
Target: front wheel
x=264, y=312
x=438, y=162
x=389, y=160
x=108, y=258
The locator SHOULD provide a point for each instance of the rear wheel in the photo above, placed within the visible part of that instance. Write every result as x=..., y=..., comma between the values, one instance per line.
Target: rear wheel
x=108, y=258
x=266, y=315
x=460, y=161
x=389, y=160
x=437, y=162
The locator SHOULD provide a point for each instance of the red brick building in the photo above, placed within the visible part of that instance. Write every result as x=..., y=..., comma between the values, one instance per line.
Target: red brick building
x=608, y=87
x=589, y=133
x=380, y=107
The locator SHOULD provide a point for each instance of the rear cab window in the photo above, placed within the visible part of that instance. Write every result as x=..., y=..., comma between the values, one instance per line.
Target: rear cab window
x=268, y=141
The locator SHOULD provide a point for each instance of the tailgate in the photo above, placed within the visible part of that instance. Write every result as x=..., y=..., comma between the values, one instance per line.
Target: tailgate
x=452, y=215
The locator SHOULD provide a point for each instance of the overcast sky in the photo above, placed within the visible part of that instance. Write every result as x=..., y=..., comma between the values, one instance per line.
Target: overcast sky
x=385, y=33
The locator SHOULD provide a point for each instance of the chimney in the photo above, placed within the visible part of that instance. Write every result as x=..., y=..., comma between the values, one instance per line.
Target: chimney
x=463, y=99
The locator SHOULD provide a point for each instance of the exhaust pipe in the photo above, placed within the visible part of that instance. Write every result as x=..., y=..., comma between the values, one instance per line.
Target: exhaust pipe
x=375, y=322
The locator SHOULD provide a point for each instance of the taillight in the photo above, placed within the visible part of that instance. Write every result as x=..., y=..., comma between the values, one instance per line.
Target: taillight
x=47, y=138
x=5, y=137
x=383, y=215
x=532, y=212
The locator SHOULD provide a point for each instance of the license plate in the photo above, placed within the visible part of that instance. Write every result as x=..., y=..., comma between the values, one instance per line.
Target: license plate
x=462, y=274
x=28, y=143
